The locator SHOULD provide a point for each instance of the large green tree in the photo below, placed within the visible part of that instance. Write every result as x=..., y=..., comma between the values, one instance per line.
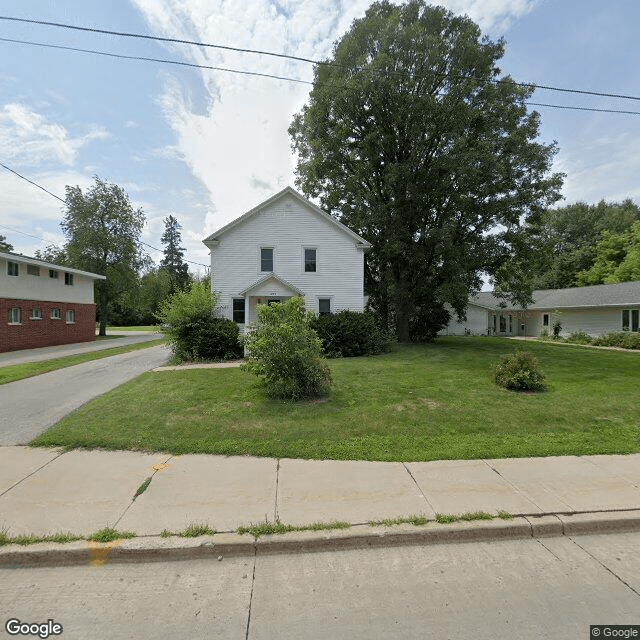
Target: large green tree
x=413, y=138
x=103, y=230
x=564, y=241
x=173, y=261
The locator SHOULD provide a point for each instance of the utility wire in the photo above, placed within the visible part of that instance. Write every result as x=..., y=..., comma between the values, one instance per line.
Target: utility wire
x=35, y=184
x=285, y=78
x=290, y=57
x=162, y=60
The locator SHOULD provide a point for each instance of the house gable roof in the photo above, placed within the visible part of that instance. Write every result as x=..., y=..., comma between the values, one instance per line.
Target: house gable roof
x=18, y=257
x=272, y=276
x=622, y=294
x=214, y=238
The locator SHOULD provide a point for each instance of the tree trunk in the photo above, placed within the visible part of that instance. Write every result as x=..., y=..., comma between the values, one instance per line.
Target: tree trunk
x=104, y=300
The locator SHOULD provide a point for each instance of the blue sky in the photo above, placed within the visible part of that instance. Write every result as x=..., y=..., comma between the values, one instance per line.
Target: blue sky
x=207, y=146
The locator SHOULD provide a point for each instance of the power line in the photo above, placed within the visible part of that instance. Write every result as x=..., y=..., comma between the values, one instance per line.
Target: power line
x=35, y=184
x=161, y=60
x=291, y=57
x=288, y=79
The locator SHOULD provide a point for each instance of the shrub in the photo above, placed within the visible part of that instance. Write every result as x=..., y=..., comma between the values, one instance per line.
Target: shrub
x=624, y=339
x=194, y=334
x=557, y=328
x=544, y=334
x=285, y=352
x=349, y=333
x=579, y=337
x=519, y=372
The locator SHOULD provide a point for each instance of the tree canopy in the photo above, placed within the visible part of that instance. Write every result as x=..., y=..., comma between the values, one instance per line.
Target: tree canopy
x=4, y=245
x=103, y=231
x=413, y=138
x=566, y=242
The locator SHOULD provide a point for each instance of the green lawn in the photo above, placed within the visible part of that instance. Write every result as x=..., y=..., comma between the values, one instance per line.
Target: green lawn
x=150, y=327
x=14, y=372
x=421, y=402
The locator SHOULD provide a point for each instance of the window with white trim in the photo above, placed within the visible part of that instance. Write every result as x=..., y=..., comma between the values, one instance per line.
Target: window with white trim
x=33, y=270
x=266, y=258
x=310, y=264
x=35, y=314
x=68, y=278
x=70, y=316
x=55, y=314
x=13, y=269
x=238, y=310
x=14, y=316
x=324, y=306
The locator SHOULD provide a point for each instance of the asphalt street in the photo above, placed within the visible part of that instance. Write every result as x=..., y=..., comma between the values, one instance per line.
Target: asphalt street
x=30, y=406
x=551, y=588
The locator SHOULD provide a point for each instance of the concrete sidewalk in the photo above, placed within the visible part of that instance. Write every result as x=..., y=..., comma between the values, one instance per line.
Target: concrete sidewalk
x=46, y=491
x=60, y=351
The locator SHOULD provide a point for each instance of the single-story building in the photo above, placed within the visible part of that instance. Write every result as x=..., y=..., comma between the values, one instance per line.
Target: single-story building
x=285, y=247
x=43, y=304
x=595, y=309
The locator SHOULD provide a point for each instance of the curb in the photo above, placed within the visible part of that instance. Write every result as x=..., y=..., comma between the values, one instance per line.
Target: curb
x=361, y=536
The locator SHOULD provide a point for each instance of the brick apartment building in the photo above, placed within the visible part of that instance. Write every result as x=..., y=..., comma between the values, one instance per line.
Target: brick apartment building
x=44, y=304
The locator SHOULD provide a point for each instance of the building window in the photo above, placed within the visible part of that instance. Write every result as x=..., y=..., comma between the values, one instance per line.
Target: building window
x=32, y=270
x=53, y=273
x=266, y=259
x=68, y=278
x=14, y=316
x=310, y=260
x=13, y=269
x=545, y=320
x=503, y=324
x=324, y=306
x=70, y=316
x=35, y=314
x=238, y=310
x=55, y=314
x=510, y=324
x=632, y=315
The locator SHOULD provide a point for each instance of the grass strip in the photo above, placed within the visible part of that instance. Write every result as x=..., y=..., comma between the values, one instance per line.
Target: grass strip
x=109, y=535
x=268, y=528
x=14, y=372
x=195, y=530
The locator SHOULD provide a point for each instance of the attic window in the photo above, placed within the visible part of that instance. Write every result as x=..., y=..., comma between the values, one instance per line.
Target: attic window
x=266, y=259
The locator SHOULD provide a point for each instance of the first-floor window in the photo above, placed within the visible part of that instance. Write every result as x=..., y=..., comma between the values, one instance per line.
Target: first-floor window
x=631, y=319
x=545, y=320
x=510, y=324
x=14, y=316
x=324, y=306
x=70, y=316
x=503, y=324
x=238, y=310
x=55, y=314
x=35, y=314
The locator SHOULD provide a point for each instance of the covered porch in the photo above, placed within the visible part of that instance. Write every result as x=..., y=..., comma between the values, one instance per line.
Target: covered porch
x=267, y=290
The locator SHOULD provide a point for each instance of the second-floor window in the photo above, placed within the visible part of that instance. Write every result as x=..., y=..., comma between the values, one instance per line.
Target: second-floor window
x=32, y=270
x=266, y=259
x=68, y=278
x=310, y=260
x=53, y=273
x=13, y=269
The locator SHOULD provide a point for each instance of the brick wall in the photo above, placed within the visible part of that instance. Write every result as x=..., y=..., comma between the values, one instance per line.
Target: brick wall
x=46, y=332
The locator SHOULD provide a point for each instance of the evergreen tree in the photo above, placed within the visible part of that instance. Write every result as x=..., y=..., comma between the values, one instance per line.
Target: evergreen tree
x=173, y=261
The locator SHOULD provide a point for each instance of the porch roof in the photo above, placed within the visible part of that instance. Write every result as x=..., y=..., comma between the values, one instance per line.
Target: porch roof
x=287, y=285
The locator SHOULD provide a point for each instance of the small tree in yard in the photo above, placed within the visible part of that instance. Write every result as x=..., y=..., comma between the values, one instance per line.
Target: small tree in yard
x=284, y=350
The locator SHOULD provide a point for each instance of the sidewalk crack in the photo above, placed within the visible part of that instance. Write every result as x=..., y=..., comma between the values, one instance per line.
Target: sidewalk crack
x=276, y=515
x=419, y=489
x=604, y=566
x=32, y=473
x=253, y=581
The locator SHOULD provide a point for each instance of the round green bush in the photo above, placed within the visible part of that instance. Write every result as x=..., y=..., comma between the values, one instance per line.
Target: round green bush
x=519, y=372
x=203, y=337
x=349, y=333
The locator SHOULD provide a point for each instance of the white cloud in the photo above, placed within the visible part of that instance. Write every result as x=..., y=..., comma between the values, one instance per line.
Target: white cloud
x=28, y=138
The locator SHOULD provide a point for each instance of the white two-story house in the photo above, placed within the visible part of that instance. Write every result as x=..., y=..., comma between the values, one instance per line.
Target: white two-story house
x=286, y=247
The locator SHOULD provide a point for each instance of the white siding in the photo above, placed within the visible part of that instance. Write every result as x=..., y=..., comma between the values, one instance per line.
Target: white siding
x=476, y=323
x=595, y=322
x=29, y=287
x=288, y=227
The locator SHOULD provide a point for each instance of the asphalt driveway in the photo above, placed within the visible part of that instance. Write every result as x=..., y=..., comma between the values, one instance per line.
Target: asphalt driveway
x=30, y=406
